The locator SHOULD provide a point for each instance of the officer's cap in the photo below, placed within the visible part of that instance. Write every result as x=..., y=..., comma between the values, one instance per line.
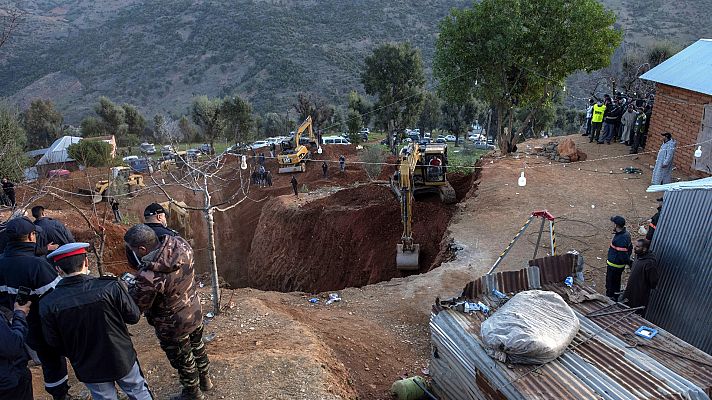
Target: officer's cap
x=68, y=250
x=18, y=227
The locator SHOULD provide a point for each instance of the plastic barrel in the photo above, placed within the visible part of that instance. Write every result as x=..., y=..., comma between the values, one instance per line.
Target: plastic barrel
x=407, y=389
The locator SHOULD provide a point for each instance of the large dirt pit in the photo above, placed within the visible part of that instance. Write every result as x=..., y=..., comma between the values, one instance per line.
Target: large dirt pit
x=329, y=240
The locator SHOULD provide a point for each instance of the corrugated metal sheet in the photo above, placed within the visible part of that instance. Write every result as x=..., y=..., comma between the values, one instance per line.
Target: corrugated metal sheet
x=683, y=244
x=689, y=69
x=602, y=362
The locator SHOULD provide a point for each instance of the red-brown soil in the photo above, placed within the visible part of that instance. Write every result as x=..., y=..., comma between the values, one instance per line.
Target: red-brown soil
x=342, y=240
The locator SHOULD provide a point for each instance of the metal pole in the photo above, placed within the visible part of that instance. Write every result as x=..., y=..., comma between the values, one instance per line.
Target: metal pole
x=553, y=238
x=538, y=239
x=509, y=246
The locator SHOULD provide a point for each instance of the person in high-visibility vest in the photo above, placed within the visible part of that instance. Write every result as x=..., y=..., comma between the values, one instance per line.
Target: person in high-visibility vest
x=597, y=120
x=618, y=257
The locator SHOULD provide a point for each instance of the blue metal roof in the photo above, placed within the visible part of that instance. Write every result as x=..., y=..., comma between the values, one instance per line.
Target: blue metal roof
x=689, y=69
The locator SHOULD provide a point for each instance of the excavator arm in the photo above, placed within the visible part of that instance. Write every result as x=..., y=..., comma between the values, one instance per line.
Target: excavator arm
x=407, y=252
x=293, y=161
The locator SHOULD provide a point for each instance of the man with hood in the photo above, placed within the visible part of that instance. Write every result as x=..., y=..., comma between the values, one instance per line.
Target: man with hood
x=643, y=277
x=165, y=292
x=662, y=173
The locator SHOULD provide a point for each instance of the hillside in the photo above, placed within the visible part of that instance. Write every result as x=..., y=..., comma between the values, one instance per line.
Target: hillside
x=159, y=54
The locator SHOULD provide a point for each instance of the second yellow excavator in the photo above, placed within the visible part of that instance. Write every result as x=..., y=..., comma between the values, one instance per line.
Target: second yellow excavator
x=293, y=159
x=420, y=168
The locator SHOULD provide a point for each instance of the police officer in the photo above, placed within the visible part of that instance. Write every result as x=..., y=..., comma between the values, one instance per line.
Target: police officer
x=154, y=216
x=19, y=266
x=618, y=257
x=654, y=222
x=56, y=232
x=165, y=291
x=84, y=312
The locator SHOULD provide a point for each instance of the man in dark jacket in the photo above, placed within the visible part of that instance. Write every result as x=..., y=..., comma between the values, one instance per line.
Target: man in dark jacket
x=294, y=183
x=654, y=222
x=19, y=266
x=610, y=121
x=154, y=216
x=9, y=189
x=15, y=377
x=55, y=231
x=618, y=257
x=85, y=319
x=643, y=276
x=165, y=291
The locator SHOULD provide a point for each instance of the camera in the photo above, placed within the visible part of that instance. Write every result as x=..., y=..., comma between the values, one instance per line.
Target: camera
x=129, y=278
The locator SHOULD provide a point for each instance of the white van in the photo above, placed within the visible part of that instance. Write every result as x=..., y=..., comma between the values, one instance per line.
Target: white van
x=335, y=140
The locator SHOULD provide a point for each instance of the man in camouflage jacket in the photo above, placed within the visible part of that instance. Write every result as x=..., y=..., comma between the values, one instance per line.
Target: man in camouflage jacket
x=165, y=291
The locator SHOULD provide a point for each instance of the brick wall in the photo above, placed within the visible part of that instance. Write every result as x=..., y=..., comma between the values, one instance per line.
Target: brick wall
x=678, y=111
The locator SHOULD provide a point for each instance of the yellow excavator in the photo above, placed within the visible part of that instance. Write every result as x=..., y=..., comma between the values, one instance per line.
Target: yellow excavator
x=294, y=159
x=119, y=176
x=420, y=169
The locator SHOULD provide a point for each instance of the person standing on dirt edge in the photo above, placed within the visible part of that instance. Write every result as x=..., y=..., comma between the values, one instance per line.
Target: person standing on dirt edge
x=294, y=185
x=618, y=257
x=165, y=292
x=342, y=163
x=9, y=189
x=643, y=277
x=20, y=267
x=84, y=312
x=325, y=168
x=662, y=173
x=115, y=209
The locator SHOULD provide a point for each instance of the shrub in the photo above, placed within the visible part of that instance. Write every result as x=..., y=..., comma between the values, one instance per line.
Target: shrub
x=91, y=153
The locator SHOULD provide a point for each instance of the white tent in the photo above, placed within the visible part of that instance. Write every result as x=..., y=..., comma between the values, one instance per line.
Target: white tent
x=57, y=152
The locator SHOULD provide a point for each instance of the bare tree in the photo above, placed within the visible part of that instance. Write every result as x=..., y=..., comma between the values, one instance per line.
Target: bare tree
x=9, y=24
x=213, y=179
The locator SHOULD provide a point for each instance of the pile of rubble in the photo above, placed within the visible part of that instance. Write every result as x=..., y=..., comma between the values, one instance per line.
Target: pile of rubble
x=564, y=152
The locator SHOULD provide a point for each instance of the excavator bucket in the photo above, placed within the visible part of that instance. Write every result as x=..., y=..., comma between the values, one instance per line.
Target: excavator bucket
x=407, y=260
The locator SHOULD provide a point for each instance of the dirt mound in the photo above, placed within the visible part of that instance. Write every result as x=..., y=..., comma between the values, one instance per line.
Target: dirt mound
x=346, y=239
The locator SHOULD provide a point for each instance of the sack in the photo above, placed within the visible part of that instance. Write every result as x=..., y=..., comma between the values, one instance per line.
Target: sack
x=533, y=327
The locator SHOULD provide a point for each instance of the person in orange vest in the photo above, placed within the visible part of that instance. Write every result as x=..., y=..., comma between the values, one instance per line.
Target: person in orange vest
x=618, y=257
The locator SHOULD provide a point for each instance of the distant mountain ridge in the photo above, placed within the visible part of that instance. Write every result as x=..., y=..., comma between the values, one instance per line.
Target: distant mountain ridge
x=159, y=54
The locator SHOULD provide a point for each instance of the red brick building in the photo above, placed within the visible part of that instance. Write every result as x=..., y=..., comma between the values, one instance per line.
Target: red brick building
x=683, y=107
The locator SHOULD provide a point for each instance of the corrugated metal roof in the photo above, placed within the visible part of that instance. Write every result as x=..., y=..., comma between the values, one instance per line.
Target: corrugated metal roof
x=683, y=246
x=689, y=69
x=704, y=183
x=601, y=362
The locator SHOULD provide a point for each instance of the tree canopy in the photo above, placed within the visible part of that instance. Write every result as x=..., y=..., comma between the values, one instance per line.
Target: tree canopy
x=394, y=73
x=512, y=52
x=91, y=153
x=42, y=122
x=12, y=142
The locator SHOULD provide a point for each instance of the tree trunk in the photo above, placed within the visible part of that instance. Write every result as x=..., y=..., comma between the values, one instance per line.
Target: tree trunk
x=100, y=254
x=213, y=260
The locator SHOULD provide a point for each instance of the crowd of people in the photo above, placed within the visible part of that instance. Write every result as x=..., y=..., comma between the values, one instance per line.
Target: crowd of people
x=626, y=120
x=52, y=305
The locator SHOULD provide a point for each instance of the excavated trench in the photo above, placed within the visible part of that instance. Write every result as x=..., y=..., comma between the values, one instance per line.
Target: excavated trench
x=344, y=239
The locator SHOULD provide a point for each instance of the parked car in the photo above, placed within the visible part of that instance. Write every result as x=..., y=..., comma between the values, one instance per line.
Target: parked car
x=424, y=141
x=141, y=165
x=206, y=148
x=58, y=173
x=148, y=148
x=363, y=134
x=167, y=150
x=450, y=138
x=476, y=137
x=483, y=145
x=192, y=154
x=440, y=139
x=335, y=140
x=128, y=159
x=260, y=143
